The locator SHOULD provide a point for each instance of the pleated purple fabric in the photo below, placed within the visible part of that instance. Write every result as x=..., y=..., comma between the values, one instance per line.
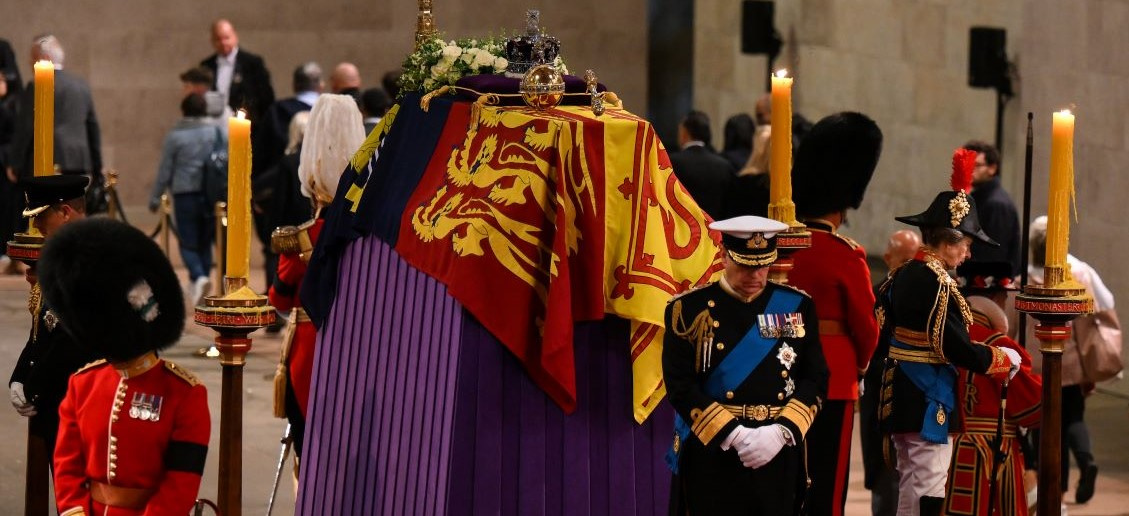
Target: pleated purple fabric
x=416, y=409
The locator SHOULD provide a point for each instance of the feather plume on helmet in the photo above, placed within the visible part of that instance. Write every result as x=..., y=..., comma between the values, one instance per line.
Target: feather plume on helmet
x=334, y=132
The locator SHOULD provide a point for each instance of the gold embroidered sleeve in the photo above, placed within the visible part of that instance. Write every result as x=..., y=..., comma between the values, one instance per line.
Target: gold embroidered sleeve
x=797, y=416
x=707, y=423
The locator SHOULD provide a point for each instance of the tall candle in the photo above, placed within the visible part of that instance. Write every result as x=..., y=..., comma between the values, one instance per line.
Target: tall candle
x=780, y=146
x=238, y=196
x=1061, y=190
x=44, y=128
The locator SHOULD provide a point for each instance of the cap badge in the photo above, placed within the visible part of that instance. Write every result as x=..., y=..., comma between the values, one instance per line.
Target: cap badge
x=958, y=208
x=758, y=241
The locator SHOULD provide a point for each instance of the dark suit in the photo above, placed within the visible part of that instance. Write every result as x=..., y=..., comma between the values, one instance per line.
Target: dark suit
x=9, y=68
x=250, y=84
x=705, y=175
x=1000, y=220
x=275, y=135
x=78, y=140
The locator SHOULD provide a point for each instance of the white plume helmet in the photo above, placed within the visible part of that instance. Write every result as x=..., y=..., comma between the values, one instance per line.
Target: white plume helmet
x=335, y=131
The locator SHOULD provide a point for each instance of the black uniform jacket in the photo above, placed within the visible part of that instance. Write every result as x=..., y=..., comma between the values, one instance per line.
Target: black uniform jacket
x=920, y=299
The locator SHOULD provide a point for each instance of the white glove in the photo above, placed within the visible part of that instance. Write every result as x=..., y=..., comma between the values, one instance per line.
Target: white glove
x=767, y=442
x=16, y=393
x=1015, y=359
x=739, y=438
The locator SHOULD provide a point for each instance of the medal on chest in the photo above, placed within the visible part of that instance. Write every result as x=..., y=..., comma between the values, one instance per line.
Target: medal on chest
x=786, y=356
x=146, y=407
x=775, y=326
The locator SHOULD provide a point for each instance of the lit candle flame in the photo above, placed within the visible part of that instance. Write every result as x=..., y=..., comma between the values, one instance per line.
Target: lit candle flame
x=45, y=62
x=241, y=114
x=1066, y=111
x=783, y=72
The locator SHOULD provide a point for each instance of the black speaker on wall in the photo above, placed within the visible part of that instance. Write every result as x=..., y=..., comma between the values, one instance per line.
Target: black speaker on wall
x=987, y=58
x=758, y=34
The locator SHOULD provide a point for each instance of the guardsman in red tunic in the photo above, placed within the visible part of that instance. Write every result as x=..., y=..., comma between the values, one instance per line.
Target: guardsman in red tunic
x=334, y=132
x=831, y=172
x=134, y=429
x=978, y=397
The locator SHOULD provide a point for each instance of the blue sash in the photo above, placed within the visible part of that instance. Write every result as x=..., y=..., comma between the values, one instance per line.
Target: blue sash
x=936, y=382
x=736, y=366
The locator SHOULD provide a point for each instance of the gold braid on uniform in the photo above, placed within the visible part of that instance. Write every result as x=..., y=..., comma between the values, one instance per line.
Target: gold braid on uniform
x=946, y=288
x=699, y=331
x=34, y=305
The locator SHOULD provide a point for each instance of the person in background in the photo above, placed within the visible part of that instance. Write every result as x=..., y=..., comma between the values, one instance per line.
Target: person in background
x=880, y=478
x=10, y=199
x=921, y=307
x=133, y=428
x=241, y=77
x=374, y=104
x=738, y=140
x=830, y=175
x=391, y=83
x=997, y=210
x=289, y=206
x=745, y=374
x=334, y=132
x=704, y=174
x=78, y=138
x=346, y=80
x=199, y=80
x=181, y=172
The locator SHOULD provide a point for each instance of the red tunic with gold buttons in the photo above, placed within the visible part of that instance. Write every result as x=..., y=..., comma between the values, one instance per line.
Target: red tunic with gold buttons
x=978, y=399
x=131, y=441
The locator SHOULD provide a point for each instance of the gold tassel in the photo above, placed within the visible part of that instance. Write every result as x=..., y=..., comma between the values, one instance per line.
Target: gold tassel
x=281, y=373
x=425, y=102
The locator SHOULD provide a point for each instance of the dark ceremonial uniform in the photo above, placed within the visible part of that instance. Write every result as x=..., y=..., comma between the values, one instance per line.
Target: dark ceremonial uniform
x=298, y=344
x=704, y=328
x=131, y=444
x=967, y=492
x=834, y=272
x=929, y=320
x=45, y=364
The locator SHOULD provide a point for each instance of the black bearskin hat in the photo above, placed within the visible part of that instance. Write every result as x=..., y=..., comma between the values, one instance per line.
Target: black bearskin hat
x=954, y=208
x=834, y=164
x=112, y=288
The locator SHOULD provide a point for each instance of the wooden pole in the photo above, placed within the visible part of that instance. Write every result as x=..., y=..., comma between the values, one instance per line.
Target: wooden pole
x=36, y=489
x=1052, y=333
x=233, y=347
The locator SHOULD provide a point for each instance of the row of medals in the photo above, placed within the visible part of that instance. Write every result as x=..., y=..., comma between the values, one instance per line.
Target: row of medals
x=146, y=407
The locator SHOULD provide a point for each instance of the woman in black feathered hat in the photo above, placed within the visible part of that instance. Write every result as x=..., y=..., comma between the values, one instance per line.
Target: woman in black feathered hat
x=921, y=307
x=116, y=293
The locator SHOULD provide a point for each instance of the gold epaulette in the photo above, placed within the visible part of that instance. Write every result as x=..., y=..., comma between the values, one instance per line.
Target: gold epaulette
x=91, y=365
x=790, y=287
x=182, y=373
x=848, y=240
x=293, y=240
x=687, y=291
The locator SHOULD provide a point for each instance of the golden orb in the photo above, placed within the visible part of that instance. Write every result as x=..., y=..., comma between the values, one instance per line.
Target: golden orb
x=542, y=87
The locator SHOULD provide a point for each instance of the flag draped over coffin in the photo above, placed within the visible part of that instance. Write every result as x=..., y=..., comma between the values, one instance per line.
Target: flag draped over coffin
x=533, y=220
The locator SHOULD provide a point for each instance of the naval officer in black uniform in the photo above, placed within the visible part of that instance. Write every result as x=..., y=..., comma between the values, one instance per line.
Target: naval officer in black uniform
x=39, y=380
x=744, y=370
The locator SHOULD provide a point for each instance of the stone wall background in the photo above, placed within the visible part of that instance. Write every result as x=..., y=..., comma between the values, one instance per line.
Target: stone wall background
x=132, y=53
x=905, y=63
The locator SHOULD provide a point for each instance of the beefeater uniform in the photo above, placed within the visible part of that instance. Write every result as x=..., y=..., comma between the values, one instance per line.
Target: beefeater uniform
x=730, y=362
x=131, y=442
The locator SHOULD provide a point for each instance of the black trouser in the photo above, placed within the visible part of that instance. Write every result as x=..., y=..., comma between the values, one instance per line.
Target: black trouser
x=1075, y=435
x=829, y=457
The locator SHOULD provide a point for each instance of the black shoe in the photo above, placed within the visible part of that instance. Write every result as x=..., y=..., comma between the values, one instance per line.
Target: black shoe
x=1085, y=489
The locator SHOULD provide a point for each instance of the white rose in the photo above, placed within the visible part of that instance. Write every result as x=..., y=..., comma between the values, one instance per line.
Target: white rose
x=468, y=56
x=439, y=69
x=452, y=52
x=483, y=59
x=500, y=64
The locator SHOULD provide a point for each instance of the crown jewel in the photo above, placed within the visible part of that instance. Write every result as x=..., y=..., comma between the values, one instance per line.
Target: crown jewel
x=532, y=48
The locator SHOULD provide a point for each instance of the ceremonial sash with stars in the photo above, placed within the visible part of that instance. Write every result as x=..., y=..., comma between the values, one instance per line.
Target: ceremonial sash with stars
x=738, y=364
